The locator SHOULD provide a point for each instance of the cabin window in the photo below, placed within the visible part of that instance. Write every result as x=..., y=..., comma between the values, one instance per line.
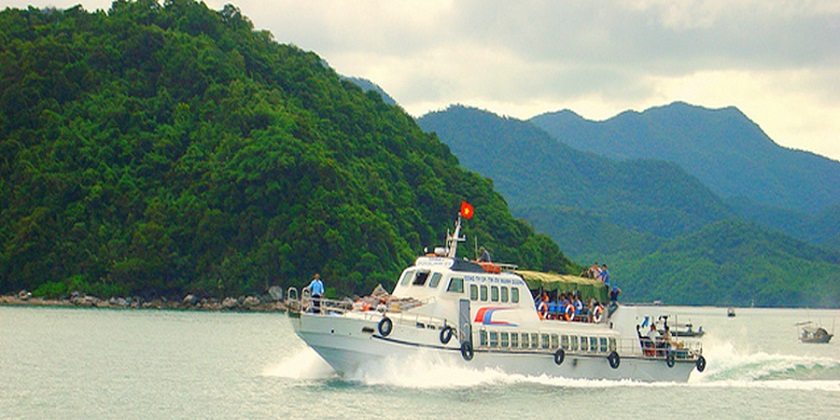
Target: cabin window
x=504, y=294
x=514, y=295
x=564, y=342
x=525, y=341
x=612, y=344
x=584, y=344
x=505, y=339
x=435, y=280
x=494, y=339
x=554, y=341
x=514, y=340
x=574, y=343
x=494, y=293
x=482, y=338
x=603, y=344
x=420, y=278
x=473, y=292
x=406, y=276
x=483, y=293
x=456, y=285
x=535, y=340
x=544, y=341
x=593, y=343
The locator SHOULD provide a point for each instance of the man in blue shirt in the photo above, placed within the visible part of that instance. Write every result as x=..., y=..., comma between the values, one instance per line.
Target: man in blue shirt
x=605, y=276
x=316, y=289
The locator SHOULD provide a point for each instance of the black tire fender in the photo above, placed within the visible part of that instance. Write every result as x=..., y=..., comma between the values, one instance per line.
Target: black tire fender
x=614, y=359
x=559, y=356
x=385, y=326
x=446, y=334
x=670, y=359
x=701, y=364
x=467, y=351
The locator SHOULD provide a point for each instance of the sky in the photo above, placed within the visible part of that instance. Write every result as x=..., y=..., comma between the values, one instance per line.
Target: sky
x=778, y=61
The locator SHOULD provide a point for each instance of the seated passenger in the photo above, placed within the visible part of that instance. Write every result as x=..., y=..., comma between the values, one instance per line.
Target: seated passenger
x=659, y=343
x=485, y=256
x=653, y=333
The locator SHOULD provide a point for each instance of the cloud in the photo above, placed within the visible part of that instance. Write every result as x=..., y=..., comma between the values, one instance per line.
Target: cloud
x=776, y=60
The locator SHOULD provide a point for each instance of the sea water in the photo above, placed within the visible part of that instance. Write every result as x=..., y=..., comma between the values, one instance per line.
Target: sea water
x=126, y=364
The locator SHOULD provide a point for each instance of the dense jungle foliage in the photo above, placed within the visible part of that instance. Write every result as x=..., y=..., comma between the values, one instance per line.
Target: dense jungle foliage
x=159, y=150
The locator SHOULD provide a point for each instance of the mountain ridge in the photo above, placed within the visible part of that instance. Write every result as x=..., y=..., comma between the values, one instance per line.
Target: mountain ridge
x=721, y=147
x=624, y=228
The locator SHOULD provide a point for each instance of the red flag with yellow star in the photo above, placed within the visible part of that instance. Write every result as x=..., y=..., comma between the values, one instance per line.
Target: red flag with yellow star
x=466, y=210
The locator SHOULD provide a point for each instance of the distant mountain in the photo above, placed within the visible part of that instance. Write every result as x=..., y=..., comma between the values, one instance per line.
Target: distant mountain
x=721, y=147
x=665, y=234
x=533, y=171
x=367, y=86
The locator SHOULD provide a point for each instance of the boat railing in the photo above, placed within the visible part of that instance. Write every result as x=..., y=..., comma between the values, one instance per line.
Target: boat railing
x=660, y=349
x=306, y=303
x=395, y=309
x=293, y=301
x=507, y=267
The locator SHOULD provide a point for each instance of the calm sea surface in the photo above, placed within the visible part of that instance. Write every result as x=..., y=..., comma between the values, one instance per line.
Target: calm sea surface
x=103, y=363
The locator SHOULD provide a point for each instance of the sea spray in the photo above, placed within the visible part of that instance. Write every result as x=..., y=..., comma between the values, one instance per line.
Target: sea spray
x=302, y=363
x=737, y=367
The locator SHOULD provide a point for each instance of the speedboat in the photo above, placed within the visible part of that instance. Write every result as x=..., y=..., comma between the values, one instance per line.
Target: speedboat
x=484, y=315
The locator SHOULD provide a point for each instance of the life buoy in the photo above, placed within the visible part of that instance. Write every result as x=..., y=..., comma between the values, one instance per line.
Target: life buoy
x=542, y=309
x=559, y=356
x=446, y=334
x=597, y=314
x=467, y=351
x=701, y=364
x=569, y=314
x=614, y=359
x=385, y=326
x=669, y=359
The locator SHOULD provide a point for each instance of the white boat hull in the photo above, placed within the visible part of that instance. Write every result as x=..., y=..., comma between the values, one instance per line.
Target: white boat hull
x=350, y=343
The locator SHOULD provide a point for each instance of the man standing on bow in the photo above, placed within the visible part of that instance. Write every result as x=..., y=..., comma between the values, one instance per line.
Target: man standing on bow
x=316, y=289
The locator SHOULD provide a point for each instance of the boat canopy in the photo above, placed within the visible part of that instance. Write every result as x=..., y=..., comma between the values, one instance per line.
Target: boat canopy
x=588, y=288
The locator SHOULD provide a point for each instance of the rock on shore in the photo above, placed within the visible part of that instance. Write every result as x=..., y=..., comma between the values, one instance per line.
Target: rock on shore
x=190, y=302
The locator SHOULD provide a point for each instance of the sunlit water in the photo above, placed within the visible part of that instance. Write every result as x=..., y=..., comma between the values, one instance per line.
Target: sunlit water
x=93, y=363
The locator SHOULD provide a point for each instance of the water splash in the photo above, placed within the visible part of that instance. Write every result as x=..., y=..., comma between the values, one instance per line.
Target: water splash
x=727, y=367
x=303, y=364
x=731, y=367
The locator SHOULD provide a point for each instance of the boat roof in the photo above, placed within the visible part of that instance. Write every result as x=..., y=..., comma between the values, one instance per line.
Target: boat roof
x=588, y=288
x=814, y=330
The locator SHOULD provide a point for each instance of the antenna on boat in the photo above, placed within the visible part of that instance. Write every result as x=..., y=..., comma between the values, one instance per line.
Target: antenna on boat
x=453, y=239
x=475, y=246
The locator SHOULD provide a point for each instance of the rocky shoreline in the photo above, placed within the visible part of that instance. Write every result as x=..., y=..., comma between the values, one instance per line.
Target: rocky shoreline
x=267, y=303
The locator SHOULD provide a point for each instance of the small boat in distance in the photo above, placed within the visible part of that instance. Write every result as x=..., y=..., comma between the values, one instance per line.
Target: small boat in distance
x=730, y=312
x=813, y=333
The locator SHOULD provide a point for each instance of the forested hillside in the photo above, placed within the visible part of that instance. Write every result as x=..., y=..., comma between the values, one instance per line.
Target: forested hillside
x=167, y=149
x=734, y=263
x=665, y=235
x=782, y=189
x=534, y=171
